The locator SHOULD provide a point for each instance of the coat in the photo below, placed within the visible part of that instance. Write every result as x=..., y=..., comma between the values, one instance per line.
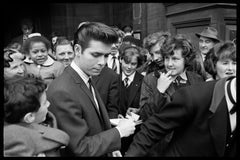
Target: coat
x=151, y=100
x=28, y=140
x=200, y=126
x=48, y=71
x=74, y=107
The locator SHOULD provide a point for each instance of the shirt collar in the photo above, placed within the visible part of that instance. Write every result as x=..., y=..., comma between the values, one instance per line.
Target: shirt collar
x=48, y=62
x=183, y=75
x=130, y=78
x=203, y=57
x=83, y=75
x=116, y=55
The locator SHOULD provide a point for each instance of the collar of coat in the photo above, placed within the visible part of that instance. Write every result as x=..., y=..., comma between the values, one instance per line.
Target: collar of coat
x=48, y=62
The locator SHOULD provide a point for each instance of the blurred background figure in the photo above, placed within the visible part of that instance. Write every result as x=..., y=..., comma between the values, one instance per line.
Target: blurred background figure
x=26, y=28
x=113, y=58
x=128, y=36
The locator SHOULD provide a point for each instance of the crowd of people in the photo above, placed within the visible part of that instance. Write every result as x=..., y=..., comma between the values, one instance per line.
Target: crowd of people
x=61, y=96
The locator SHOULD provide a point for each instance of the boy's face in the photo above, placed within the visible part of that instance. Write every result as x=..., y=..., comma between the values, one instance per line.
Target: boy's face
x=64, y=54
x=16, y=66
x=175, y=62
x=94, y=58
x=129, y=66
x=40, y=115
x=38, y=52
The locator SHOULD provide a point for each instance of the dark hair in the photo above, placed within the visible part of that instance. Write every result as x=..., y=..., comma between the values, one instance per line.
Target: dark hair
x=154, y=38
x=218, y=52
x=133, y=50
x=179, y=42
x=127, y=28
x=61, y=41
x=34, y=39
x=28, y=22
x=21, y=96
x=8, y=52
x=94, y=31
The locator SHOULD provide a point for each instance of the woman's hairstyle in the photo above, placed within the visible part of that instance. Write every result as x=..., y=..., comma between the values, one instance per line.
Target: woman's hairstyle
x=179, y=42
x=94, y=31
x=154, y=38
x=21, y=96
x=27, y=44
x=61, y=41
x=220, y=51
x=8, y=52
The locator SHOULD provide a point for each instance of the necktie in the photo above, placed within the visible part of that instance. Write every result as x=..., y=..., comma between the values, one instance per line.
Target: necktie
x=94, y=96
x=114, y=65
x=90, y=84
x=177, y=80
x=234, y=108
x=126, y=82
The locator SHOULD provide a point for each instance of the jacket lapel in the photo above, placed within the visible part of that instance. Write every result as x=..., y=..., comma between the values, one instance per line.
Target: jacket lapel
x=219, y=114
x=84, y=87
x=103, y=112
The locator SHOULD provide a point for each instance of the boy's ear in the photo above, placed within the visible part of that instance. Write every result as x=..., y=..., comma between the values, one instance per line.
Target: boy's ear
x=29, y=117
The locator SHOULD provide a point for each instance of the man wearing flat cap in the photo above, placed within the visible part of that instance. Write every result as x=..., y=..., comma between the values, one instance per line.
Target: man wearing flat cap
x=208, y=38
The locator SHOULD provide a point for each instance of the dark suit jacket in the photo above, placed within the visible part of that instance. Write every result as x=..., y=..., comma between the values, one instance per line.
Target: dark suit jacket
x=28, y=140
x=107, y=85
x=199, y=130
x=74, y=107
x=134, y=93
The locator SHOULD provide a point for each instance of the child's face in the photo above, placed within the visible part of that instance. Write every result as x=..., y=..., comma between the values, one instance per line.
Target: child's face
x=175, y=62
x=128, y=68
x=40, y=115
x=38, y=52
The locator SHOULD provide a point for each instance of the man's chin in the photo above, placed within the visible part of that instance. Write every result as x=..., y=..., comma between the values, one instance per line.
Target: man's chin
x=96, y=72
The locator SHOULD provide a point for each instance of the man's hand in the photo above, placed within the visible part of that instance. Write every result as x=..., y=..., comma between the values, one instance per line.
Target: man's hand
x=126, y=127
